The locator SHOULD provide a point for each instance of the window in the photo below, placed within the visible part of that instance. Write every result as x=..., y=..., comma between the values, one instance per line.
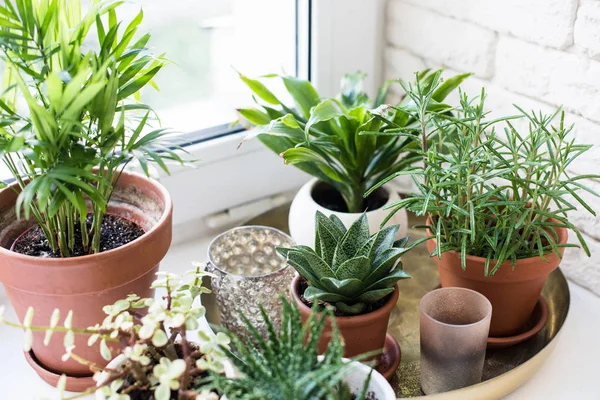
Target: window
x=207, y=41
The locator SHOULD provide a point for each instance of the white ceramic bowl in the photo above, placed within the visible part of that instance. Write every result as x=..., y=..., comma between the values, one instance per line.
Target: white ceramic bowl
x=304, y=207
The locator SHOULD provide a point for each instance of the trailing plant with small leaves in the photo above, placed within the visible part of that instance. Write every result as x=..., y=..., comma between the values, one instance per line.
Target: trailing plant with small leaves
x=349, y=269
x=157, y=354
x=495, y=193
x=285, y=364
x=80, y=126
x=346, y=141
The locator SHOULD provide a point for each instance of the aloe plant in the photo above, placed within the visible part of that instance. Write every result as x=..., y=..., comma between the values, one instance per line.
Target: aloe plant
x=285, y=365
x=81, y=121
x=347, y=141
x=349, y=268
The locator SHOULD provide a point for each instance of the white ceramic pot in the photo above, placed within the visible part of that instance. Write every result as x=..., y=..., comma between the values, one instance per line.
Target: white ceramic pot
x=357, y=375
x=304, y=207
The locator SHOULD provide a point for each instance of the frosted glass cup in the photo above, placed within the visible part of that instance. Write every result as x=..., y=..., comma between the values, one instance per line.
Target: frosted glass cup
x=455, y=323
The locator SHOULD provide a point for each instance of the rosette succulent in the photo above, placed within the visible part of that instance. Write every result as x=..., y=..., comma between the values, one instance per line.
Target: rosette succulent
x=349, y=268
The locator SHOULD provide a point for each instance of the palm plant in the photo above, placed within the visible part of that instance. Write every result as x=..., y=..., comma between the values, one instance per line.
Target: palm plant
x=491, y=195
x=347, y=141
x=80, y=126
x=349, y=268
x=285, y=365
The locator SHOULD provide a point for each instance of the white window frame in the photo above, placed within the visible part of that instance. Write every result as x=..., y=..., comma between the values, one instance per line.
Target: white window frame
x=230, y=184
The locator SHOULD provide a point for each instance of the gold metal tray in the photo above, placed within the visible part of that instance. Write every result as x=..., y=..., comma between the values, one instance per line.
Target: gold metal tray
x=504, y=370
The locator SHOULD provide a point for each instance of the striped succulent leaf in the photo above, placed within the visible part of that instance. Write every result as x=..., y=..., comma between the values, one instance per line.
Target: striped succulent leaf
x=349, y=268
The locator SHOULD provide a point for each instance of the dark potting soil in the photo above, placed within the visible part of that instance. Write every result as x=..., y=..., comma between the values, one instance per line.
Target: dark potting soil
x=370, y=307
x=328, y=197
x=115, y=232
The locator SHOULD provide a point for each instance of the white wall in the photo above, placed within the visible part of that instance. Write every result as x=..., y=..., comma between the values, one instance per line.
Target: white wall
x=539, y=54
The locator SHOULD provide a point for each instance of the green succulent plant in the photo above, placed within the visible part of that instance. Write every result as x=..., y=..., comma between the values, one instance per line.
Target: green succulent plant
x=285, y=365
x=349, y=268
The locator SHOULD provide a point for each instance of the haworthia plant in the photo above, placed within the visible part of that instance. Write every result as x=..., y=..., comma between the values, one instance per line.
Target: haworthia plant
x=347, y=141
x=349, y=268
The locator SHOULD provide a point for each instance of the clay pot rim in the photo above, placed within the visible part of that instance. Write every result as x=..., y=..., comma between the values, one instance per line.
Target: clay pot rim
x=563, y=236
x=429, y=317
x=315, y=181
x=342, y=321
x=237, y=228
x=65, y=261
x=498, y=342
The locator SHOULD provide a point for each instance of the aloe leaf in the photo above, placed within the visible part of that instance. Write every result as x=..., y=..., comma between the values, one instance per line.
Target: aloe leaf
x=384, y=264
x=390, y=280
x=385, y=240
x=313, y=293
x=355, y=236
x=354, y=268
x=374, y=296
x=338, y=222
x=353, y=309
x=300, y=264
x=317, y=265
x=347, y=287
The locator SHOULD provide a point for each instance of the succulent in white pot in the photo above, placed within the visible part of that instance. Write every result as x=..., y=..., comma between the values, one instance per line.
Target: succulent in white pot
x=160, y=349
x=348, y=143
x=285, y=363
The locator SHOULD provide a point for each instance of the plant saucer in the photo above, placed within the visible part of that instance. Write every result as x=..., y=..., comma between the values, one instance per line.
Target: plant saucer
x=74, y=383
x=536, y=323
x=390, y=359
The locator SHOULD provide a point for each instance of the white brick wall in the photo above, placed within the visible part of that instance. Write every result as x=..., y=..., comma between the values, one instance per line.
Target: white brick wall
x=539, y=54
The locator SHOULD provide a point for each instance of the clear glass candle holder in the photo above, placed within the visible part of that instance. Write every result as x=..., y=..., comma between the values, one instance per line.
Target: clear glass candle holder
x=248, y=272
x=455, y=323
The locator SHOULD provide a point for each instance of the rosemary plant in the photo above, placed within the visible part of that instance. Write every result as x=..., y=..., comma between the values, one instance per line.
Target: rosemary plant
x=157, y=354
x=285, y=365
x=494, y=193
x=80, y=126
x=347, y=141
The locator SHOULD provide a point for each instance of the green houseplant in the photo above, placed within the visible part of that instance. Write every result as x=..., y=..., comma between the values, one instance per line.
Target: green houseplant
x=346, y=143
x=148, y=359
x=356, y=273
x=66, y=142
x=498, y=201
x=286, y=364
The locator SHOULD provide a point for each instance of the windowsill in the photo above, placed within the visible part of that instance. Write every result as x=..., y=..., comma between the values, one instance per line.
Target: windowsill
x=570, y=371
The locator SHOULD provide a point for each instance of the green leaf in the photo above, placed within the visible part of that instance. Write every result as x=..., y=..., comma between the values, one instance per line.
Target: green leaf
x=389, y=280
x=137, y=84
x=304, y=94
x=260, y=90
x=350, y=287
x=358, y=268
x=254, y=116
x=374, y=296
x=448, y=86
x=315, y=294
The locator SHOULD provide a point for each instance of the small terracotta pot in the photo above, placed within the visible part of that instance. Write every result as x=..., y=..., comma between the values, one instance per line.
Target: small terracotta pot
x=512, y=292
x=362, y=333
x=85, y=284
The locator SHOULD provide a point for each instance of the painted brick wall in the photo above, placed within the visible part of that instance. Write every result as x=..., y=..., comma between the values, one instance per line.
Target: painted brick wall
x=539, y=54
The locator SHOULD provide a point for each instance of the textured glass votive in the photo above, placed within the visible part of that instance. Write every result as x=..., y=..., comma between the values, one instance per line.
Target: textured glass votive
x=249, y=272
x=454, y=329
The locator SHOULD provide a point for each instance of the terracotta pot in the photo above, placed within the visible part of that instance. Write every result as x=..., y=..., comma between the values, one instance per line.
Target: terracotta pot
x=303, y=209
x=362, y=333
x=85, y=284
x=512, y=292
